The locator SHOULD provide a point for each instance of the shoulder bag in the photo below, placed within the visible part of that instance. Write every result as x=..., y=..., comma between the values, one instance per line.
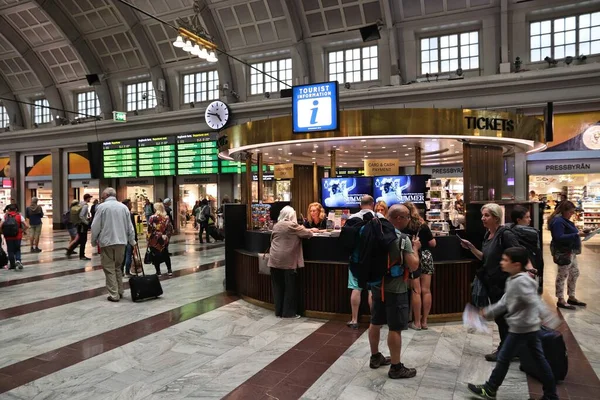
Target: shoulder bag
x=263, y=260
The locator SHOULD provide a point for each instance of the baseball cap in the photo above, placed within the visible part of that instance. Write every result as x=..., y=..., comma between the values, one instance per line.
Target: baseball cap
x=87, y=196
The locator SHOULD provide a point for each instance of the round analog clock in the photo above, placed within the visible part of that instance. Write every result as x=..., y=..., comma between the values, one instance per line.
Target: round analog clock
x=216, y=114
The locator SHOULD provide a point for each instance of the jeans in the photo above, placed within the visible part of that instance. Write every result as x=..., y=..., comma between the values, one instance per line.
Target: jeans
x=285, y=292
x=510, y=349
x=13, y=248
x=128, y=258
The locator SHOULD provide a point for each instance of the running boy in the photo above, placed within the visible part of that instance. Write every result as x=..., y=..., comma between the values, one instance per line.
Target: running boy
x=522, y=308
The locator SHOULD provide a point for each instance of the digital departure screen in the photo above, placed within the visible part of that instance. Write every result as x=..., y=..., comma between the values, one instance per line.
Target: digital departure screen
x=119, y=159
x=197, y=154
x=156, y=156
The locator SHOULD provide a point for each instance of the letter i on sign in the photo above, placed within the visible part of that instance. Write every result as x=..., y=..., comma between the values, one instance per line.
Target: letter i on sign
x=313, y=112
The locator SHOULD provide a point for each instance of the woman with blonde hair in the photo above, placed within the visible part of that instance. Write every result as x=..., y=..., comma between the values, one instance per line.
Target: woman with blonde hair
x=565, y=245
x=285, y=256
x=421, y=278
x=381, y=208
x=160, y=230
x=316, y=217
x=497, y=239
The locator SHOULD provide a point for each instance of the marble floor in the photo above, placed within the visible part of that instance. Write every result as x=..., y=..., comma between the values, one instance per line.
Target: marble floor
x=61, y=339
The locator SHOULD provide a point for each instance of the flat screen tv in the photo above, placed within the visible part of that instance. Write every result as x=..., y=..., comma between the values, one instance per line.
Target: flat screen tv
x=398, y=189
x=345, y=192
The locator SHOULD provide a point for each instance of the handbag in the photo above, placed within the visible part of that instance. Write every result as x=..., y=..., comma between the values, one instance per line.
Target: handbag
x=148, y=256
x=560, y=257
x=263, y=260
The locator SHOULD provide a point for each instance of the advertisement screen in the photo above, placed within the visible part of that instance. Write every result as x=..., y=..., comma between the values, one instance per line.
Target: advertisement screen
x=345, y=192
x=400, y=188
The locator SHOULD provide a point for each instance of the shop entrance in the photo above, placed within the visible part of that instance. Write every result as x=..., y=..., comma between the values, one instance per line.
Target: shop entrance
x=192, y=192
x=138, y=195
x=43, y=191
x=80, y=187
x=5, y=193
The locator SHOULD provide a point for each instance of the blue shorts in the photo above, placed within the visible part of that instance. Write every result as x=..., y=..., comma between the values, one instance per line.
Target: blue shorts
x=352, y=281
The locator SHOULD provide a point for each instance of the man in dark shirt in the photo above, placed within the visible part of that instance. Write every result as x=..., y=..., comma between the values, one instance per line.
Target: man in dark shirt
x=13, y=202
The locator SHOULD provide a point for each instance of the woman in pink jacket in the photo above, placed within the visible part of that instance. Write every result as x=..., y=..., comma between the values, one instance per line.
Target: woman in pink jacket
x=285, y=257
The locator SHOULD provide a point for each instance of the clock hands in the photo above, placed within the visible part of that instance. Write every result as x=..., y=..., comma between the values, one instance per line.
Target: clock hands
x=216, y=115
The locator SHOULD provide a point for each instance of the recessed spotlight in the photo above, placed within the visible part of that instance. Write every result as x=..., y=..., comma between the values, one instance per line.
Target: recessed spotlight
x=456, y=151
x=340, y=166
x=266, y=154
x=366, y=156
x=345, y=151
x=368, y=152
x=451, y=145
x=287, y=160
x=270, y=158
x=334, y=147
x=280, y=149
x=406, y=154
x=314, y=151
x=435, y=140
x=345, y=163
x=289, y=154
x=383, y=147
x=412, y=162
x=314, y=158
x=329, y=155
x=410, y=148
x=364, y=147
x=363, y=140
x=404, y=145
x=315, y=146
x=394, y=151
x=298, y=144
x=258, y=150
x=445, y=159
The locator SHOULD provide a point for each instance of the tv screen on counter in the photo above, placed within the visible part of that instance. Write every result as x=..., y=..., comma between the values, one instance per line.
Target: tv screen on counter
x=345, y=192
x=398, y=189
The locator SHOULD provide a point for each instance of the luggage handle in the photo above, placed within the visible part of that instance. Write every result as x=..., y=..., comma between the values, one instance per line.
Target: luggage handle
x=139, y=256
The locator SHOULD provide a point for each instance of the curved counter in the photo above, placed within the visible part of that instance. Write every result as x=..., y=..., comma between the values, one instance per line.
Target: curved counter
x=322, y=283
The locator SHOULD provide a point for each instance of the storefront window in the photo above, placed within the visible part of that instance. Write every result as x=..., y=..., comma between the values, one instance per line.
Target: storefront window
x=137, y=195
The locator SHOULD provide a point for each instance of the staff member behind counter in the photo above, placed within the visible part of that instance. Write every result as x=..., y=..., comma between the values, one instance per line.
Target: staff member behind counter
x=316, y=217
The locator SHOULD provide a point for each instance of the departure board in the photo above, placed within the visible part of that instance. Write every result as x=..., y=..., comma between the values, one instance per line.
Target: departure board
x=156, y=156
x=119, y=159
x=197, y=154
x=232, y=167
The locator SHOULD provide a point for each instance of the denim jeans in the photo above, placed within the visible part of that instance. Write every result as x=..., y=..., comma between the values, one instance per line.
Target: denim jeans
x=128, y=258
x=510, y=348
x=13, y=248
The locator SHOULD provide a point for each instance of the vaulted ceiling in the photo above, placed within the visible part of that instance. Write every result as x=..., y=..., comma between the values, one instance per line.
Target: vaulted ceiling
x=46, y=44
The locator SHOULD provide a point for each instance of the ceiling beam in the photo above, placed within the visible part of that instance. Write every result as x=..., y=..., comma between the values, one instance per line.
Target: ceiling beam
x=13, y=110
x=85, y=53
x=149, y=51
x=301, y=56
x=19, y=43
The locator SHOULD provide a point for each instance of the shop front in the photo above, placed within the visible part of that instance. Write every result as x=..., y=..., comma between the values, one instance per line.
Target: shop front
x=382, y=144
x=38, y=182
x=137, y=190
x=6, y=183
x=79, y=177
x=196, y=188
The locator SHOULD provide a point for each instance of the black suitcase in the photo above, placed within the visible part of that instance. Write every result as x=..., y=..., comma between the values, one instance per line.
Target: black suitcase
x=214, y=233
x=555, y=351
x=143, y=286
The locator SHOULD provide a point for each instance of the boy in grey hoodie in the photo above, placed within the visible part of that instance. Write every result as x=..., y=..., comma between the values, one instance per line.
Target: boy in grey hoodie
x=524, y=312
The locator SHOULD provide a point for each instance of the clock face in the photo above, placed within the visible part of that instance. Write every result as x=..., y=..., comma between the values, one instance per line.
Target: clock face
x=216, y=114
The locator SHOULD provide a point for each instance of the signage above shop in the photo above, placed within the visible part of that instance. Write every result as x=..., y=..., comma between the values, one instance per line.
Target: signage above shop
x=315, y=107
x=266, y=177
x=84, y=183
x=583, y=166
x=450, y=171
x=284, y=171
x=490, y=124
x=138, y=182
x=381, y=167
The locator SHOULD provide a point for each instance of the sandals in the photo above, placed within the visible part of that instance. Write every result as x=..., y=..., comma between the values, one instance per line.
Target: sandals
x=413, y=326
x=353, y=325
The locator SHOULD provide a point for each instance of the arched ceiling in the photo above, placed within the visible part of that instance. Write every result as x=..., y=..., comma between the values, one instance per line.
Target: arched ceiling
x=45, y=44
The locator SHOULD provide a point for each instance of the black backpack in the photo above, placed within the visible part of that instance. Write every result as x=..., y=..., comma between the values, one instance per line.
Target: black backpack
x=10, y=227
x=528, y=238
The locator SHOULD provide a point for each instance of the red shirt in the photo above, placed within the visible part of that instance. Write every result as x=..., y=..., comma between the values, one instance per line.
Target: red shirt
x=19, y=219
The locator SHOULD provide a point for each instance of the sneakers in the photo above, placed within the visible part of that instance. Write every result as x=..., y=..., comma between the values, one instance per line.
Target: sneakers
x=36, y=250
x=574, y=302
x=399, y=371
x=493, y=356
x=483, y=391
x=19, y=265
x=377, y=360
x=170, y=273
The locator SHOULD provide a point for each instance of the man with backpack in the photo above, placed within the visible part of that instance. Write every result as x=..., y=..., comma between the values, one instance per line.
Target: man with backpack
x=12, y=227
x=80, y=217
x=390, y=296
x=202, y=216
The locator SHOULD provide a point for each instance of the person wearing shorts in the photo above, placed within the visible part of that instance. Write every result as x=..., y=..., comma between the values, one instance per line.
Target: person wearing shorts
x=390, y=302
x=34, y=213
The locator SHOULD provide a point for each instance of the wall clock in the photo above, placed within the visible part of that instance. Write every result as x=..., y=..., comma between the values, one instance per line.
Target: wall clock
x=216, y=114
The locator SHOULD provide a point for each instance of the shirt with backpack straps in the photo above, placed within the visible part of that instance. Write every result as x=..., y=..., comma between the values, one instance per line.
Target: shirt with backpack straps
x=12, y=226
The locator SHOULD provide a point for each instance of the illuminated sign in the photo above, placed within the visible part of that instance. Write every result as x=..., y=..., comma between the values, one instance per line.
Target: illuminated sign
x=315, y=107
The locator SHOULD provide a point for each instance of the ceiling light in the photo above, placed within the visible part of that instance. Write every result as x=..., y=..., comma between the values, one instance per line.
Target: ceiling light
x=345, y=163
x=345, y=151
x=456, y=151
x=289, y=154
x=366, y=156
x=314, y=151
x=368, y=152
x=270, y=158
x=435, y=140
x=363, y=140
x=364, y=147
x=195, y=51
x=406, y=154
x=412, y=162
x=188, y=46
x=280, y=149
x=203, y=54
x=315, y=146
x=451, y=145
x=383, y=147
x=212, y=57
x=258, y=150
x=410, y=148
x=328, y=155
x=394, y=151
x=287, y=160
x=179, y=42
x=266, y=154
x=334, y=147
x=403, y=145
x=298, y=144
x=314, y=158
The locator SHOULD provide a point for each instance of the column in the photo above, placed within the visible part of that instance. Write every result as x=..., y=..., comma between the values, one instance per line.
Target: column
x=417, y=160
x=259, y=163
x=482, y=172
x=248, y=190
x=18, y=179
x=315, y=183
x=59, y=204
x=521, y=179
x=333, y=172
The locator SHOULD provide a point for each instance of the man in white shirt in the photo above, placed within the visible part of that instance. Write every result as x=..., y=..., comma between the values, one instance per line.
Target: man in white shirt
x=112, y=230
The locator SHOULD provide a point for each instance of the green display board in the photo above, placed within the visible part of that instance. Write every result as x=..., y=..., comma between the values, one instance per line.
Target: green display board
x=156, y=156
x=119, y=159
x=237, y=167
x=197, y=154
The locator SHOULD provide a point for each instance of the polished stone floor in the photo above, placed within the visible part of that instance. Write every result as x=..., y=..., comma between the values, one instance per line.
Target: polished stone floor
x=61, y=339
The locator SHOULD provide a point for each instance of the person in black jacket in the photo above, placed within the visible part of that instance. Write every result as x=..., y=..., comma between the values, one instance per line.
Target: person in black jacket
x=129, y=250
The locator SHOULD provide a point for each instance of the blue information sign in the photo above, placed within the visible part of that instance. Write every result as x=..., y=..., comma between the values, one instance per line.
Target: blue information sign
x=315, y=107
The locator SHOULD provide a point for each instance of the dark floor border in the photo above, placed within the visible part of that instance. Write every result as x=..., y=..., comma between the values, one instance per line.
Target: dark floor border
x=21, y=373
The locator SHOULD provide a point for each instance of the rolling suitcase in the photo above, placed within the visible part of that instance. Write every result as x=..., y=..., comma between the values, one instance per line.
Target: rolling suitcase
x=213, y=232
x=555, y=351
x=145, y=286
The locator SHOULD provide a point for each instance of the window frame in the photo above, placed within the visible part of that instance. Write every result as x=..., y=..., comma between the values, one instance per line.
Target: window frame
x=206, y=86
x=86, y=101
x=552, y=18
x=137, y=101
x=264, y=80
x=4, y=117
x=362, y=68
x=46, y=111
x=459, y=45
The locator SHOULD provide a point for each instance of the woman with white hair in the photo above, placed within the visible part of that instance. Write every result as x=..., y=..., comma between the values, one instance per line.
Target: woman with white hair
x=285, y=257
x=497, y=239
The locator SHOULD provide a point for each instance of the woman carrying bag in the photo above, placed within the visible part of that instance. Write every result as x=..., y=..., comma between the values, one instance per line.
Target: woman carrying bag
x=285, y=256
x=160, y=230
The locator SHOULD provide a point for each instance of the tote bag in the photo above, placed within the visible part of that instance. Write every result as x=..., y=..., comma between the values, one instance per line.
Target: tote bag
x=263, y=260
